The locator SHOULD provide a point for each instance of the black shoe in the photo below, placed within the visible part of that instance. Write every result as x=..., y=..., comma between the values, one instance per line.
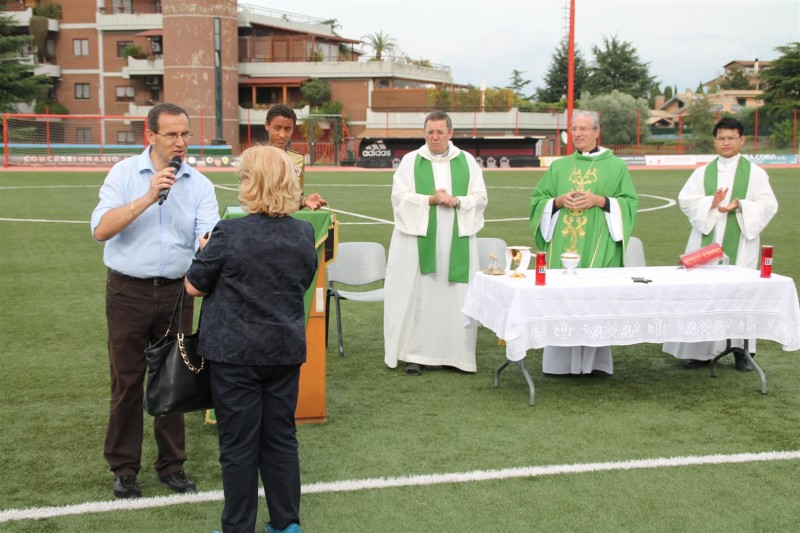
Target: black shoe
x=741, y=363
x=178, y=481
x=126, y=487
x=413, y=369
x=696, y=363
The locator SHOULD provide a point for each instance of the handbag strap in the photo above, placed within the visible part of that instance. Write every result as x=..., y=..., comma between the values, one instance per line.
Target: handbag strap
x=178, y=305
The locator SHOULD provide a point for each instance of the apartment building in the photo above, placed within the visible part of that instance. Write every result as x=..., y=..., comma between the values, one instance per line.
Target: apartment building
x=228, y=62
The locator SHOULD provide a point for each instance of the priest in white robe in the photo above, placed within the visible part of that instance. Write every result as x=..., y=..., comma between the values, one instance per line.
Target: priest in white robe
x=729, y=202
x=438, y=198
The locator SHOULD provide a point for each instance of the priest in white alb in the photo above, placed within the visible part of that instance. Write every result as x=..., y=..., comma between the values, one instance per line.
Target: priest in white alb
x=729, y=202
x=438, y=198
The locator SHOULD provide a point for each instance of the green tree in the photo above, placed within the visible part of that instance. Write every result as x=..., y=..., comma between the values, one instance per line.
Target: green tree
x=782, y=79
x=555, y=80
x=668, y=94
x=316, y=92
x=17, y=83
x=517, y=83
x=735, y=80
x=380, y=42
x=701, y=120
x=617, y=66
x=700, y=89
x=655, y=92
x=782, y=134
x=618, y=112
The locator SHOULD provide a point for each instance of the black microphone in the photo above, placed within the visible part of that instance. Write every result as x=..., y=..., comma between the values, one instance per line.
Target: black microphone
x=175, y=163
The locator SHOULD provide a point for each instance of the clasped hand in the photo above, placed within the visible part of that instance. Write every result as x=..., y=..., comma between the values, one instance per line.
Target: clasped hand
x=441, y=197
x=579, y=200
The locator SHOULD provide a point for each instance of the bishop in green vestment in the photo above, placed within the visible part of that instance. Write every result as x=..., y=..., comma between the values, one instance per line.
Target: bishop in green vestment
x=585, y=203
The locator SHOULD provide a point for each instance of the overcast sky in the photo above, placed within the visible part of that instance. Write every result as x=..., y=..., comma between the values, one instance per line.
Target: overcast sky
x=684, y=41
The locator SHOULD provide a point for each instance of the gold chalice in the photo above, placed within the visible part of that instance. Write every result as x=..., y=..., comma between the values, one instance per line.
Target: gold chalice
x=518, y=259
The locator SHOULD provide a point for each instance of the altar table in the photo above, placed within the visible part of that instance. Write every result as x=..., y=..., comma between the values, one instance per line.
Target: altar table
x=604, y=306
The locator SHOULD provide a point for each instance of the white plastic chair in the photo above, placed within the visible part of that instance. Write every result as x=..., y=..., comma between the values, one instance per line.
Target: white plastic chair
x=634, y=253
x=488, y=246
x=356, y=264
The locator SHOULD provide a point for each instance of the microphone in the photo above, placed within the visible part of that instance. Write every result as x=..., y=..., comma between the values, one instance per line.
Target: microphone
x=175, y=163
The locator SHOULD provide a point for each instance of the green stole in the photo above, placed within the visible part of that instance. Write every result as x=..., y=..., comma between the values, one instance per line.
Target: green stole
x=459, y=249
x=730, y=241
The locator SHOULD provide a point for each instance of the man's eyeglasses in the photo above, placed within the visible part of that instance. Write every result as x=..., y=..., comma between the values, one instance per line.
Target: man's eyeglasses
x=173, y=137
x=581, y=130
x=724, y=140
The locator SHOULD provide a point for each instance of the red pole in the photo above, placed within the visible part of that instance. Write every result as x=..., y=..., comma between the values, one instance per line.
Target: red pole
x=680, y=134
x=202, y=136
x=47, y=128
x=638, y=132
x=249, y=131
x=755, y=136
x=570, y=74
x=5, y=139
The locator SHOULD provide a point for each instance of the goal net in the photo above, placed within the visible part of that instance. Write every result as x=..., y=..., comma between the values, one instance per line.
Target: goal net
x=70, y=140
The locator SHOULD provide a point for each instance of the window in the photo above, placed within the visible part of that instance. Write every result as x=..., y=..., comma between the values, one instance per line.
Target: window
x=125, y=93
x=83, y=135
x=122, y=6
x=121, y=45
x=126, y=137
x=82, y=91
x=80, y=47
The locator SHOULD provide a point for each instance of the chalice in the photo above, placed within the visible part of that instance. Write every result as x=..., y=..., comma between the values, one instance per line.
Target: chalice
x=570, y=260
x=518, y=258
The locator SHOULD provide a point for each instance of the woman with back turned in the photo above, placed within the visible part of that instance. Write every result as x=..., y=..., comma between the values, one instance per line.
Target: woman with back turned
x=253, y=273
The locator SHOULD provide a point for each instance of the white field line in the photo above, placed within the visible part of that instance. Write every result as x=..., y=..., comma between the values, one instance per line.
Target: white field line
x=37, y=513
x=43, y=220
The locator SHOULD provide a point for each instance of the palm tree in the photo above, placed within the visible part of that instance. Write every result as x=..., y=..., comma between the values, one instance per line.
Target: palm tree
x=380, y=42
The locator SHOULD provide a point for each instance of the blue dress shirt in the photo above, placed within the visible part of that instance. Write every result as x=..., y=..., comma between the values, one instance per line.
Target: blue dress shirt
x=161, y=242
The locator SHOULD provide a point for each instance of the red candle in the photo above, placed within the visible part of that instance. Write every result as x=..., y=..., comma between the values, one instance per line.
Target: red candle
x=766, y=261
x=541, y=267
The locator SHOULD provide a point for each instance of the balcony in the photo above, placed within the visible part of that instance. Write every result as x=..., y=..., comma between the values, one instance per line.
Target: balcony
x=22, y=19
x=144, y=67
x=49, y=69
x=142, y=20
x=388, y=68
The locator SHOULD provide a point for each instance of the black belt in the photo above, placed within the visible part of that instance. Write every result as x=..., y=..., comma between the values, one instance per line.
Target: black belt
x=149, y=281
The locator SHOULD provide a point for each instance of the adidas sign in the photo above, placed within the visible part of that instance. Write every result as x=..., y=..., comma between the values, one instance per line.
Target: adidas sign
x=376, y=149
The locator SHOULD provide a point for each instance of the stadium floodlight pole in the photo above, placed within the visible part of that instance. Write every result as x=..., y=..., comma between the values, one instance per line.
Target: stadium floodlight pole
x=570, y=75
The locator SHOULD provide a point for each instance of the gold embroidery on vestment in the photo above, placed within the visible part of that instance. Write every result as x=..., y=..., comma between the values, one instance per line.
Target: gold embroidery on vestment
x=575, y=219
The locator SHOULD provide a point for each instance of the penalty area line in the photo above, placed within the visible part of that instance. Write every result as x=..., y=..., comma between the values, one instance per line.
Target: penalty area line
x=38, y=513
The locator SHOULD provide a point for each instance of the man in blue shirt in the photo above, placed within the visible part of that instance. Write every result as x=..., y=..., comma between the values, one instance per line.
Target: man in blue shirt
x=149, y=245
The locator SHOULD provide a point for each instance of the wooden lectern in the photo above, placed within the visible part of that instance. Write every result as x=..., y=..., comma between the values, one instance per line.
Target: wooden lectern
x=311, y=402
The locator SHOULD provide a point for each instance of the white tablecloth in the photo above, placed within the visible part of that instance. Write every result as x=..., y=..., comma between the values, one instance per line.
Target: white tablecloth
x=601, y=307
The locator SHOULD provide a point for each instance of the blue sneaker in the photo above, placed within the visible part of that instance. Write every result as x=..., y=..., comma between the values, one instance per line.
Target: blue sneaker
x=291, y=528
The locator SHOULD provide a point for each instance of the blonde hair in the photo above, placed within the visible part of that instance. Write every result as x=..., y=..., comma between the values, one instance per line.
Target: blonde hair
x=273, y=188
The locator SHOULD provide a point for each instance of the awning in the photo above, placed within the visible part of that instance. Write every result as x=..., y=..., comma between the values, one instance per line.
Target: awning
x=272, y=82
x=392, y=133
x=150, y=33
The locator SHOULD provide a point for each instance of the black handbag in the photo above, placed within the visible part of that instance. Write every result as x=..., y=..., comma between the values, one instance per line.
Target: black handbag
x=177, y=377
